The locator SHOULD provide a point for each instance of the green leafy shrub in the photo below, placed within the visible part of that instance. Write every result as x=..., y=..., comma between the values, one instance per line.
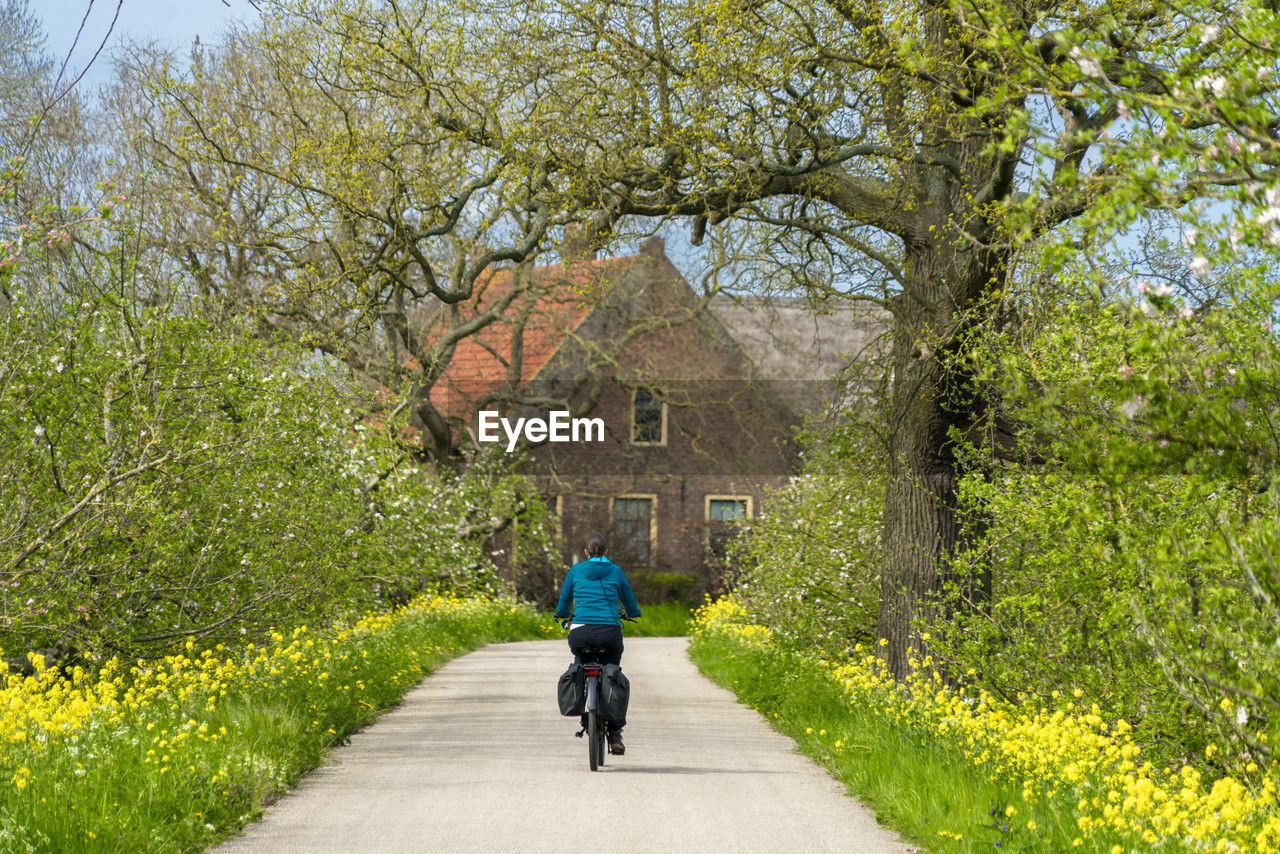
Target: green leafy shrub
x=165, y=477
x=809, y=568
x=671, y=586
x=1132, y=558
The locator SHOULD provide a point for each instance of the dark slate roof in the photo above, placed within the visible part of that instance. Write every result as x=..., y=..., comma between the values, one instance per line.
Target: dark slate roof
x=799, y=350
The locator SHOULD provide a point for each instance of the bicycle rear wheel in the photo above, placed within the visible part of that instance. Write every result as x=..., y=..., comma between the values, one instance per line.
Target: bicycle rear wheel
x=593, y=739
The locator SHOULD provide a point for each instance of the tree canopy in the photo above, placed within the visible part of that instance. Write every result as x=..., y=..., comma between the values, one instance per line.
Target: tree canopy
x=352, y=156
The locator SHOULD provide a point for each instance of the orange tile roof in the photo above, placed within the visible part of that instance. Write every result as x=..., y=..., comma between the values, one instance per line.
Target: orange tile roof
x=563, y=295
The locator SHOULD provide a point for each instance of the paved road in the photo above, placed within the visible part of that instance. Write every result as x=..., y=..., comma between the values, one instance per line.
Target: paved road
x=477, y=758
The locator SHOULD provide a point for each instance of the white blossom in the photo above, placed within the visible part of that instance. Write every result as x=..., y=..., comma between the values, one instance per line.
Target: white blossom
x=1208, y=34
x=1215, y=83
x=1089, y=67
x=1199, y=265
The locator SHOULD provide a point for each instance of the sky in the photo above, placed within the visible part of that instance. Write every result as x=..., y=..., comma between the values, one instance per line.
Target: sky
x=174, y=23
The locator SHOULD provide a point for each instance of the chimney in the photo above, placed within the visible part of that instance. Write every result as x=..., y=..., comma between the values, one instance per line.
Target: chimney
x=655, y=246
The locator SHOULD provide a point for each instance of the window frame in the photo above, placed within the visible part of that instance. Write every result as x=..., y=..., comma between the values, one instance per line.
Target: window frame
x=652, y=498
x=715, y=528
x=706, y=507
x=631, y=433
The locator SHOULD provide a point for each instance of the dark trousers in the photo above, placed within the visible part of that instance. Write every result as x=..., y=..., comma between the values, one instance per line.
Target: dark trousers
x=607, y=638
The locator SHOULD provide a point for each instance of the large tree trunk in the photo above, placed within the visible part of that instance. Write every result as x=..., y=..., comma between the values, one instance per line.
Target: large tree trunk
x=921, y=527
x=933, y=401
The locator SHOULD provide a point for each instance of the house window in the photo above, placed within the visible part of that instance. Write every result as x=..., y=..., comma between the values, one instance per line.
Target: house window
x=728, y=508
x=634, y=529
x=724, y=512
x=648, y=418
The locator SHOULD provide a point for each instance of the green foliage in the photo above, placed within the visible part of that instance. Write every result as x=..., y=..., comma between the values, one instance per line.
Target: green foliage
x=1128, y=533
x=167, y=477
x=1080, y=570
x=671, y=586
x=162, y=477
x=665, y=620
x=809, y=569
x=1131, y=524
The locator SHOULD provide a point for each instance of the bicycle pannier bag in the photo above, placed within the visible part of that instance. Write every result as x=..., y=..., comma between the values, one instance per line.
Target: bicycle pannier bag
x=615, y=693
x=572, y=690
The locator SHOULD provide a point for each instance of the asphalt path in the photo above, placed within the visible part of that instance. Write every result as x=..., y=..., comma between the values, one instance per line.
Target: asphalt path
x=478, y=758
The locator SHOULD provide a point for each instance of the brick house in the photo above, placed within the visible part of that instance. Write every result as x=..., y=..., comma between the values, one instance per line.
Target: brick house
x=695, y=431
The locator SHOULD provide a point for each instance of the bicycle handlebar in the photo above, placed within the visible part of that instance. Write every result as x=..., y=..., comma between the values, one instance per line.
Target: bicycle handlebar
x=568, y=621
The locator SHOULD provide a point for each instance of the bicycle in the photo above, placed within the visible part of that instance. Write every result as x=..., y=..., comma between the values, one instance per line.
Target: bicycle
x=596, y=729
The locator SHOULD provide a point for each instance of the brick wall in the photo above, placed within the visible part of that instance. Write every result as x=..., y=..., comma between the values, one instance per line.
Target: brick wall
x=727, y=435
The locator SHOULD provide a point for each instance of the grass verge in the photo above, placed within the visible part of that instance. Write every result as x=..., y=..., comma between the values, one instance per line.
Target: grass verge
x=914, y=788
x=175, y=754
x=958, y=772
x=659, y=621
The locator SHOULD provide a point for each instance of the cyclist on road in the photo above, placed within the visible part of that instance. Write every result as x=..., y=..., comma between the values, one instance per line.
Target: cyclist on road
x=590, y=594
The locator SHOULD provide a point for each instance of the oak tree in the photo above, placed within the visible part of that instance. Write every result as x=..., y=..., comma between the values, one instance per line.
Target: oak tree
x=933, y=141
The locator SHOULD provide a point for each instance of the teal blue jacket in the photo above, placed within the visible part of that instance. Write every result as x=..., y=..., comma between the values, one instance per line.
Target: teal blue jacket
x=591, y=592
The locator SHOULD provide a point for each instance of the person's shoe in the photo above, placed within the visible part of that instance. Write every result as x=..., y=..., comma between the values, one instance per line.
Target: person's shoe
x=616, y=747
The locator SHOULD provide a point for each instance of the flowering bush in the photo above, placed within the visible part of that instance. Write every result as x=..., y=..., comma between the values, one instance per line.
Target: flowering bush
x=167, y=477
x=1130, y=549
x=1132, y=545
x=174, y=752
x=809, y=566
